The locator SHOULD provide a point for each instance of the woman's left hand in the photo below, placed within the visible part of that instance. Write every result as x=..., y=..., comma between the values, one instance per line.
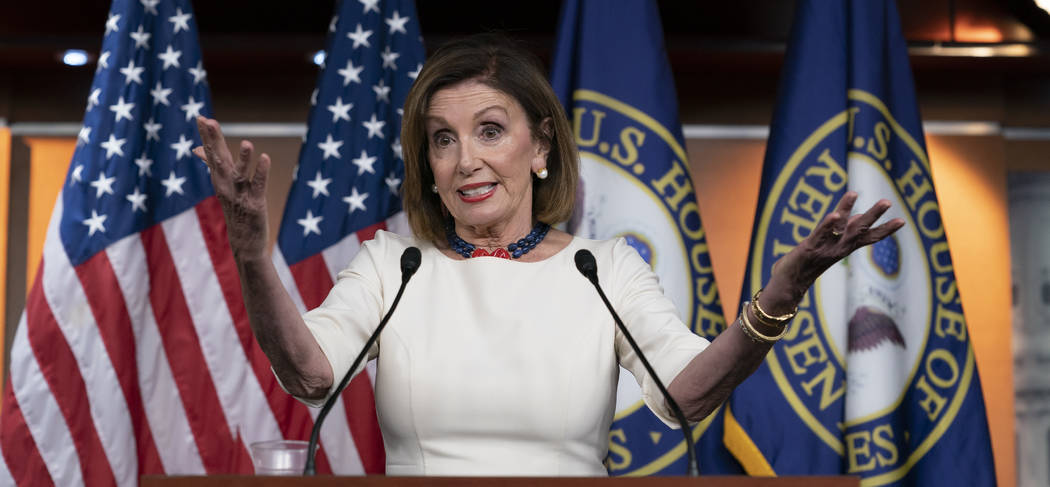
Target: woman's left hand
x=835, y=237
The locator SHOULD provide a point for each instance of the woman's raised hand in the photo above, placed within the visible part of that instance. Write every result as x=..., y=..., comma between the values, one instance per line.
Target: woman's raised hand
x=240, y=186
x=835, y=237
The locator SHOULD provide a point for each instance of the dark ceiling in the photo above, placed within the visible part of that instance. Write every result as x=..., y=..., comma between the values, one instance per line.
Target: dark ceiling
x=243, y=34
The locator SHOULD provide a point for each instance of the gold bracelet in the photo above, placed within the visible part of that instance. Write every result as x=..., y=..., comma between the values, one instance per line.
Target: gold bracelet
x=753, y=333
x=766, y=318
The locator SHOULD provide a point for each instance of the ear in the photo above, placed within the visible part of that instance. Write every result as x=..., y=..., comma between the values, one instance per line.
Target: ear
x=543, y=144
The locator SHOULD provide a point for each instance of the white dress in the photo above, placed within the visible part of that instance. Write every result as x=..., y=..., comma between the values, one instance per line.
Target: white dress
x=498, y=367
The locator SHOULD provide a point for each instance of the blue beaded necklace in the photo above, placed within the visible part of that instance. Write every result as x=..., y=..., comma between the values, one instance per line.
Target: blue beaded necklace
x=515, y=250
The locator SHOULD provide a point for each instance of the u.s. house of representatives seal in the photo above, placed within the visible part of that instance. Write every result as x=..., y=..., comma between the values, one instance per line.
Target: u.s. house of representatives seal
x=635, y=184
x=881, y=336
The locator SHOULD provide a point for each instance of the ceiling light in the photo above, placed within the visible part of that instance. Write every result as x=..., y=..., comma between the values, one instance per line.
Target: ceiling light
x=75, y=57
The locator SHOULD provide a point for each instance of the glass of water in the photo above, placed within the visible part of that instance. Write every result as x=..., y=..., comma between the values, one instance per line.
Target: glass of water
x=279, y=457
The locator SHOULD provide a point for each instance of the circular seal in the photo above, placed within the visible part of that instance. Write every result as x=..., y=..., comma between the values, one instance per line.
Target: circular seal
x=635, y=184
x=877, y=361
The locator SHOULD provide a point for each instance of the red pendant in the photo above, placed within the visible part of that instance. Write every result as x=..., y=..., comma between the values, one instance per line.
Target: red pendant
x=500, y=252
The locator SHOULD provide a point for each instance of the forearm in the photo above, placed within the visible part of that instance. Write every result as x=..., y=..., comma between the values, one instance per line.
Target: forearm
x=709, y=379
x=280, y=331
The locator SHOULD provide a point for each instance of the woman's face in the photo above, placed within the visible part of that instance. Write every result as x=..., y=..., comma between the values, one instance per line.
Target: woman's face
x=482, y=153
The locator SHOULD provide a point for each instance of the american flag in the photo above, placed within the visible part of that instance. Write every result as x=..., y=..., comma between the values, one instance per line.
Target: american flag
x=347, y=182
x=134, y=355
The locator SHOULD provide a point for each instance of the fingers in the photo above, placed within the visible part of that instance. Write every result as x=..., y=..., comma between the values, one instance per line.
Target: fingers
x=862, y=223
x=842, y=212
x=262, y=172
x=216, y=153
x=832, y=227
x=882, y=231
x=245, y=166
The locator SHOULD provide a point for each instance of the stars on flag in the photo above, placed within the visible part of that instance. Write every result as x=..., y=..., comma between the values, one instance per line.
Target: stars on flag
x=319, y=185
x=144, y=163
x=351, y=73
x=103, y=185
x=173, y=184
x=114, y=146
x=382, y=92
x=374, y=127
x=93, y=99
x=112, y=24
x=152, y=129
x=397, y=23
x=340, y=111
x=390, y=58
x=160, y=94
x=192, y=109
x=364, y=163
x=122, y=109
x=150, y=6
x=393, y=183
x=199, y=74
x=84, y=137
x=310, y=223
x=132, y=73
x=138, y=200
x=331, y=147
x=95, y=223
x=182, y=147
x=370, y=5
x=180, y=20
x=103, y=61
x=356, y=200
x=150, y=78
x=360, y=37
x=170, y=57
x=141, y=38
x=358, y=112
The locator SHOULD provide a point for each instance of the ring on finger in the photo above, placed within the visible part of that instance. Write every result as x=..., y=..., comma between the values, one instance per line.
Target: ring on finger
x=836, y=233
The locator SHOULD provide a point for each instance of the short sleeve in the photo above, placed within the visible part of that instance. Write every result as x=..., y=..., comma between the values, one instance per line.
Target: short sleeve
x=655, y=324
x=352, y=310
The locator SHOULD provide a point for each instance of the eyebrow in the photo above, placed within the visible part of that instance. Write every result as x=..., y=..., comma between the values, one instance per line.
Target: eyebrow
x=478, y=114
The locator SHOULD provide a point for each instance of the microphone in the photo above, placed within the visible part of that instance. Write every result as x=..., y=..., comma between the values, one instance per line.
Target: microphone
x=586, y=265
x=410, y=260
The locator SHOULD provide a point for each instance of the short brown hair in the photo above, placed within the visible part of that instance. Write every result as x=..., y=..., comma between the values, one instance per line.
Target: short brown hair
x=496, y=61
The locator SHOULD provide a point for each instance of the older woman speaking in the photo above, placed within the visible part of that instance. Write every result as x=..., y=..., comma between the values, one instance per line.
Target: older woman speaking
x=502, y=359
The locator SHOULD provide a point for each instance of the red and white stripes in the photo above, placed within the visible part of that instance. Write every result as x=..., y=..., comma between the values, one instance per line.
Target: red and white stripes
x=141, y=361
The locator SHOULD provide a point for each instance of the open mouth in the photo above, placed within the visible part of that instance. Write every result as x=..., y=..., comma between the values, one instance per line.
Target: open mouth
x=475, y=192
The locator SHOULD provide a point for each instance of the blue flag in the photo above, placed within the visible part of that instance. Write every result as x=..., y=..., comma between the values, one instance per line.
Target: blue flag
x=612, y=75
x=876, y=375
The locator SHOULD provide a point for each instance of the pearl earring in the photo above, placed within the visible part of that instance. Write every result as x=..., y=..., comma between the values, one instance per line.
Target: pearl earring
x=542, y=173
x=433, y=188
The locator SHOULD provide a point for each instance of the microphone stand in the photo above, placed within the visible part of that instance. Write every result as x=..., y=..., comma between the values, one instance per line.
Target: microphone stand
x=586, y=265
x=409, y=264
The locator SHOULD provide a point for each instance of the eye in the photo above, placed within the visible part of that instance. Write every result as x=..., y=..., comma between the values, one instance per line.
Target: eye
x=442, y=140
x=491, y=131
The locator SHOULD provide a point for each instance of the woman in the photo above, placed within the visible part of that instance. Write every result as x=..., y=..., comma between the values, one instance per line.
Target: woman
x=501, y=359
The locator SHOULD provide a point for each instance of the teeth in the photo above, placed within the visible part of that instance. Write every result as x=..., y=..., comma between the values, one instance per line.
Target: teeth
x=477, y=191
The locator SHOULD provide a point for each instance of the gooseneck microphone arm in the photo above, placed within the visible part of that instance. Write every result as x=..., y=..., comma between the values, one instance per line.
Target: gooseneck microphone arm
x=409, y=264
x=586, y=265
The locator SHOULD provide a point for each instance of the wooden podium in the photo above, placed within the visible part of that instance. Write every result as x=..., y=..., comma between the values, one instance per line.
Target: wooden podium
x=380, y=481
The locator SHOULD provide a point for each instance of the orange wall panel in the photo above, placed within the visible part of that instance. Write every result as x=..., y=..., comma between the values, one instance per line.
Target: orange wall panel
x=970, y=176
x=48, y=163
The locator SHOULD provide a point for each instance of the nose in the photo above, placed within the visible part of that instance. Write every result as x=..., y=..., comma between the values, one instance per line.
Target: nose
x=469, y=160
